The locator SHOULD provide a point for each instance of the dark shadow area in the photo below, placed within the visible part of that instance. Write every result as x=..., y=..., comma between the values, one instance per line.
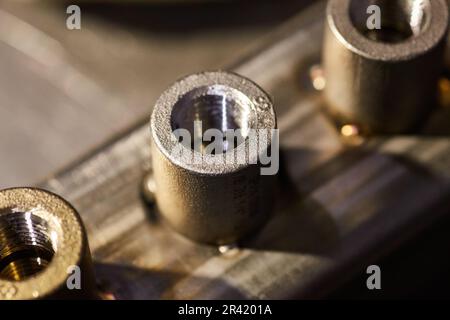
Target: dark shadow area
x=124, y=282
x=415, y=260
x=302, y=225
x=438, y=123
x=191, y=16
x=297, y=164
x=299, y=224
x=150, y=207
x=417, y=270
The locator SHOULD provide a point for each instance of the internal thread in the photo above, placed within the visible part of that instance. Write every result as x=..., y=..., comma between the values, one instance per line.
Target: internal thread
x=215, y=112
x=216, y=108
x=26, y=247
x=400, y=19
x=23, y=268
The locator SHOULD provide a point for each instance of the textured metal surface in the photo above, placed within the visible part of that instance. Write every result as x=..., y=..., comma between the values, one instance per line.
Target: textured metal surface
x=384, y=80
x=41, y=238
x=339, y=207
x=215, y=197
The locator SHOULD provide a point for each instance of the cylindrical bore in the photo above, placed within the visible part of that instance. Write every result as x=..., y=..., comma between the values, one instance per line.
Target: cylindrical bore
x=211, y=199
x=44, y=253
x=383, y=80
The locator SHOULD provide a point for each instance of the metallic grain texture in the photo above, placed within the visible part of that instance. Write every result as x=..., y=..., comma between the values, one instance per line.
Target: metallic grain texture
x=212, y=200
x=385, y=80
x=340, y=209
x=41, y=239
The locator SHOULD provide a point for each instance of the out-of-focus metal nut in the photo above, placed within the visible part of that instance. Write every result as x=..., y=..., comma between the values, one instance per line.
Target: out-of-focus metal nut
x=44, y=253
x=212, y=200
x=383, y=80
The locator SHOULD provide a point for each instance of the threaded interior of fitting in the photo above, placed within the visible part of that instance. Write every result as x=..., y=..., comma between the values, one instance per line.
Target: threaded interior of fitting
x=26, y=245
x=217, y=107
x=390, y=21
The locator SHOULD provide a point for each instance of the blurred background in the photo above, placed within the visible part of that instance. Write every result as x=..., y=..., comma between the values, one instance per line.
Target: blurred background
x=63, y=92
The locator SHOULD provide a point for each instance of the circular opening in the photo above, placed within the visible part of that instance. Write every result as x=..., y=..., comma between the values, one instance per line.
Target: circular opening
x=26, y=245
x=226, y=110
x=390, y=21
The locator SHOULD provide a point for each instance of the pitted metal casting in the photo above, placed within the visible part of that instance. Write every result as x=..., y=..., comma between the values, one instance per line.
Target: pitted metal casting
x=42, y=244
x=383, y=80
x=210, y=200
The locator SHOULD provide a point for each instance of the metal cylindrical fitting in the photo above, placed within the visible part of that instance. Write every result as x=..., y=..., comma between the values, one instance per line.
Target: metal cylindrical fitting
x=201, y=194
x=383, y=80
x=44, y=253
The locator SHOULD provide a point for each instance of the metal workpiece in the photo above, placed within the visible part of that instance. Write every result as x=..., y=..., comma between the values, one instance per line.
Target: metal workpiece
x=384, y=80
x=44, y=253
x=200, y=192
